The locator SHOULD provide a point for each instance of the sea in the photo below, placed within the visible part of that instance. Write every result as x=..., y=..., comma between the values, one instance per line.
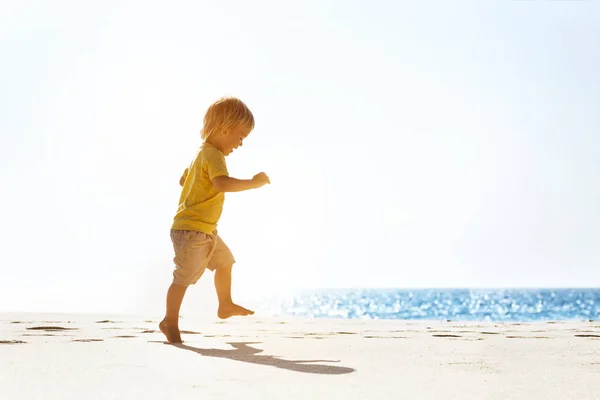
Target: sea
x=502, y=305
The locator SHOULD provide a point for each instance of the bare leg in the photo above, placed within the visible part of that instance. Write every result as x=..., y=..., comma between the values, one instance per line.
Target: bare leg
x=227, y=308
x=170, y=324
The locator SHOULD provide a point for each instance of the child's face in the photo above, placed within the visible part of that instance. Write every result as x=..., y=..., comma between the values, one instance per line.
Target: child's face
x=233, y=138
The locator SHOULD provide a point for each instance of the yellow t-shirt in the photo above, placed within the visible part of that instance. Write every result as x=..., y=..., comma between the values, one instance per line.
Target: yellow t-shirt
x=201, y=204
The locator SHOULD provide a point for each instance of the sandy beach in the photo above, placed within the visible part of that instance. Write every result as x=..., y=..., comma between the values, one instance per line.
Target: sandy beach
x=61, y=356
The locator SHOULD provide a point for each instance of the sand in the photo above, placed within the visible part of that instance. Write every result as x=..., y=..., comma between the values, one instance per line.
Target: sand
x=51, y=356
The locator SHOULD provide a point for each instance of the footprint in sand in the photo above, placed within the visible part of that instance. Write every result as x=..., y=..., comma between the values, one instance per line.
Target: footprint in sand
x=124, y=337
x=50, y=328
x=526, y=337
x=385, y=337
x=88, y=340
x=108, y=321
x=42, y=334
x=445, y=335
x=588, y=335
x=12, y=342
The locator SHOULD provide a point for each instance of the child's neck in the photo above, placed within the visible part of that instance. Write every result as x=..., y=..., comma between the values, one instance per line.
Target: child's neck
x=214, y=143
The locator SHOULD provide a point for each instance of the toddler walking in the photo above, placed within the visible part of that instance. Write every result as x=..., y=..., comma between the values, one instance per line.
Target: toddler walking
x=196, y=242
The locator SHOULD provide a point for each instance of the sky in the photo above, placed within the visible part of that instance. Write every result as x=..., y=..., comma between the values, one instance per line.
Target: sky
x=409, y=145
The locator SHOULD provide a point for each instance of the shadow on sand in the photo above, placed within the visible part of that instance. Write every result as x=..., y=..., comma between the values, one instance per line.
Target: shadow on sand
x=245, y=353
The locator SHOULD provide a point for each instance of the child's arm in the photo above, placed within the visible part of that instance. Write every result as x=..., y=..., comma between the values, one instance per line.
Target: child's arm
x=225, y=183
x=182, y=179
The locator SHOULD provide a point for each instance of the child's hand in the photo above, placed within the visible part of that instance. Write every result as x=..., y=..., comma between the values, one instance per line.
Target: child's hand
x=261, y=179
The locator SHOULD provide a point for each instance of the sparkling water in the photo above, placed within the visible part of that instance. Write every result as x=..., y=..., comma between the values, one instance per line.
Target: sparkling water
x=444, y=304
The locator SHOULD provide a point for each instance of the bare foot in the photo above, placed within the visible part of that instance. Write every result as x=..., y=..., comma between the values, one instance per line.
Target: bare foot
x=171, y=332
x=230, y=310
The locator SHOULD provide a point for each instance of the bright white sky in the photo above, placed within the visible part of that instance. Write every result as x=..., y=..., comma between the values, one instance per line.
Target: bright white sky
x=410, y=144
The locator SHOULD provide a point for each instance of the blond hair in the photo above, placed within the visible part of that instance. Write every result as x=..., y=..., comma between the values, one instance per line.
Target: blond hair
x=226, y=113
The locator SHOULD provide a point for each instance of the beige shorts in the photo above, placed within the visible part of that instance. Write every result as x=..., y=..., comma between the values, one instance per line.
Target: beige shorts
x=194, y=252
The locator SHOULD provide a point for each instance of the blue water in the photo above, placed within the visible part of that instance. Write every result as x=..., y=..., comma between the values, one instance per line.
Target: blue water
x=509, y=305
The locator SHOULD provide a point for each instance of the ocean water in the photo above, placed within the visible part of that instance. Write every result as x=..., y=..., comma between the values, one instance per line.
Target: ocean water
x=508, y=305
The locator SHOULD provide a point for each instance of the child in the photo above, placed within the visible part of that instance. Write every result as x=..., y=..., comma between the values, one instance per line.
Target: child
x=195, y=239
